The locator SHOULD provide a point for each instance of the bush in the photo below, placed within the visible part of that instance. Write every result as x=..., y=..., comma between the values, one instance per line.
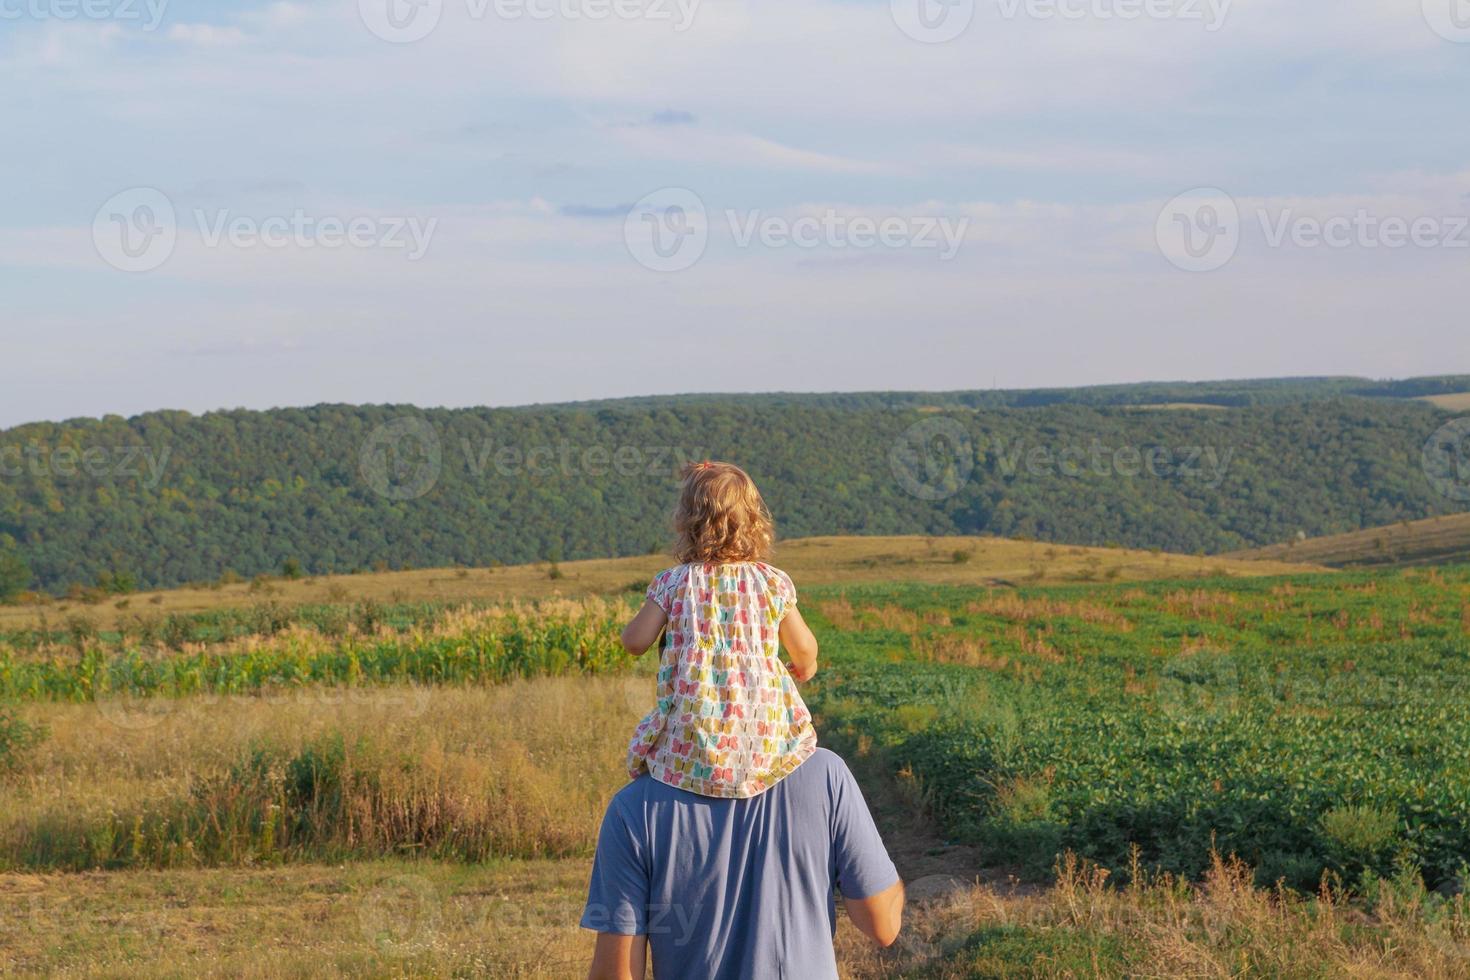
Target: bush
x=116, y=583
x=15, y=575
x=17, y=737
x=1359, y=836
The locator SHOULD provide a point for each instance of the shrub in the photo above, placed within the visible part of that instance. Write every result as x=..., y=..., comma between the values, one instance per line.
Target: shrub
x=15, y=575
x=1360, y=835
x=17, y=737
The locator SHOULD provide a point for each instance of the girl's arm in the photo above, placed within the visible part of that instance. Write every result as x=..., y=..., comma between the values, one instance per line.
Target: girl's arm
x=800, y=644
x=643, y=631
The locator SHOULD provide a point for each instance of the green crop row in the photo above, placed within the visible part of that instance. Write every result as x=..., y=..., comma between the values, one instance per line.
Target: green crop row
x=1311, y=725
x=450, y=645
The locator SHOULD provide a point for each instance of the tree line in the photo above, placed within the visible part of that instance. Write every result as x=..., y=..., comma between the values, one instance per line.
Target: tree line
x=168, y=498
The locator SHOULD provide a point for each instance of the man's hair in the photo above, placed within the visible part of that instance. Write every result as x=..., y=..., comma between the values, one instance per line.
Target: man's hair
x=721, y=516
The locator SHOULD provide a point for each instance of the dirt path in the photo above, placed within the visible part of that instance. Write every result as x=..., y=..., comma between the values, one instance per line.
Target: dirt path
x=913, y=839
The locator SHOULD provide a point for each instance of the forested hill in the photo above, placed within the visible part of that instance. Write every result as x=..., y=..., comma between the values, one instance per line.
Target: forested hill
x=170, y=497
x=1224, y=394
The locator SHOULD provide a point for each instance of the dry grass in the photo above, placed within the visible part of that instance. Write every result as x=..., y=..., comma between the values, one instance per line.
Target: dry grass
x=968, y=651
x=518, y=919
x=1434, y=539
x=513, y=919
x=1224, y=928
x=842, y=614
x=522, y=769
x=811, y=561
x=1457, y=402
x=1008, y=605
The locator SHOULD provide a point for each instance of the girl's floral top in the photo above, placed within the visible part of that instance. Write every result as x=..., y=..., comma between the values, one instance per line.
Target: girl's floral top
x=729, y=721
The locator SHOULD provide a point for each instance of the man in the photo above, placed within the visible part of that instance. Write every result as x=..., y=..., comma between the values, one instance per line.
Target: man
x=720, y=889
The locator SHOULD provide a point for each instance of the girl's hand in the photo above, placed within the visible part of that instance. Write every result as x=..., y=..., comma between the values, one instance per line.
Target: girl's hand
x=800, y=644
x=643, y=631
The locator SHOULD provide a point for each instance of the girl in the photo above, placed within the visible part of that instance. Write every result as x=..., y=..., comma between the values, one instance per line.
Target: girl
x=729, y=721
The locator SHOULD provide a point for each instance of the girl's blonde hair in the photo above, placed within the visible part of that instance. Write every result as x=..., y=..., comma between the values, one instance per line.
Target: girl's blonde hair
x=721, y=516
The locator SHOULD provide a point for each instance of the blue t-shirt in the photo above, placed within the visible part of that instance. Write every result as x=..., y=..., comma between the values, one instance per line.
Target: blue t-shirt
x=736, y=888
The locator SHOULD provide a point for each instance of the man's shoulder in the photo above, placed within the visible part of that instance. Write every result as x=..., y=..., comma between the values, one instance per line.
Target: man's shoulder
x=823, y=763
x=824, y=770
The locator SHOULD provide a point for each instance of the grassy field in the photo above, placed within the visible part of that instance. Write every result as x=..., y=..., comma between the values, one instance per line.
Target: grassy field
x=517, y=919
x=1314, y=725
x=1062, y=770
x=1457, y=402
x=810, y=561
x=1431, y=541
x=286, y=912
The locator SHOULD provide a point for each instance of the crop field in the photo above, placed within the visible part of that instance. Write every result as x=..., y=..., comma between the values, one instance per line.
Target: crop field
x=974, y=561
x=1206, y=776
x=1309, y=726
x=270, y=648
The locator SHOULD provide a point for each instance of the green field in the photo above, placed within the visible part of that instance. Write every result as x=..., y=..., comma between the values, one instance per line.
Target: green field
x=1196, y=776
x=1309, y=725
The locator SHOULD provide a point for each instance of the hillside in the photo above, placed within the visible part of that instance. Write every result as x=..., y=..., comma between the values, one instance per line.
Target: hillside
x=170, y=498
x=1239, y=393
x=810, y=561
x=1431, y=541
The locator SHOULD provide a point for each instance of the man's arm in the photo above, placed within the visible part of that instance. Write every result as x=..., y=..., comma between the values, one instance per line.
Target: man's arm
x=617, y=900
x=880, y=916
x=871, y=890
x=620, y=957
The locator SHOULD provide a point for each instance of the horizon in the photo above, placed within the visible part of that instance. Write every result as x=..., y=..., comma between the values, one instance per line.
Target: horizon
x=816, y=392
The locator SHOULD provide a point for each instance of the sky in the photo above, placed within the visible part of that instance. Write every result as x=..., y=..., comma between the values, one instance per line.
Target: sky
x=492, y=202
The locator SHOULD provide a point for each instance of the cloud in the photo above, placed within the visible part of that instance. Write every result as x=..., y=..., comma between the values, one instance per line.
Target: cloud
x=594, y=210
x=672, y=117
x=738, y=149
x=206, y=35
